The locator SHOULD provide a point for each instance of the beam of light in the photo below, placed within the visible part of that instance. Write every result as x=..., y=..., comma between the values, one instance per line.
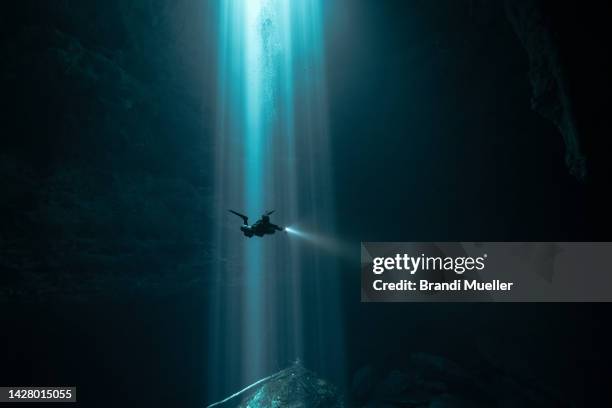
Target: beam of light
x=254, y=72
x=271, y=154
x=324, y=242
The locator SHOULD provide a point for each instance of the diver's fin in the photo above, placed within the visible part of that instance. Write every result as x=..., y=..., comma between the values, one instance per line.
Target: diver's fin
x=269, y=212
x=244, y=217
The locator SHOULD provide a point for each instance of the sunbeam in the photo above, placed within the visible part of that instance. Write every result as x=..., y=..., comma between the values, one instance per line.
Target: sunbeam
x=272, y=154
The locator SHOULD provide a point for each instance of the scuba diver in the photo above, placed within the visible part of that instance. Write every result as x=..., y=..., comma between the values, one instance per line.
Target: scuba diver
x=261, y=227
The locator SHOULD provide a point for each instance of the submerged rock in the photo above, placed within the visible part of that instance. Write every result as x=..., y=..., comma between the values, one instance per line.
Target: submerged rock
x=434, y=381
x=293, y=387
x=548, y=76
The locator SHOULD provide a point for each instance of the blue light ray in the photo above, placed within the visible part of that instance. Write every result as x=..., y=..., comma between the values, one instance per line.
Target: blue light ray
x=272, y=153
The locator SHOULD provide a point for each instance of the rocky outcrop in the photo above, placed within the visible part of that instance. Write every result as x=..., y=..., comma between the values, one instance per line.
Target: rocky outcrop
x=550, y=86
x=295, y=387
x=81, y=233
x=426, y=380
x=434, y=381
x=104, y=156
